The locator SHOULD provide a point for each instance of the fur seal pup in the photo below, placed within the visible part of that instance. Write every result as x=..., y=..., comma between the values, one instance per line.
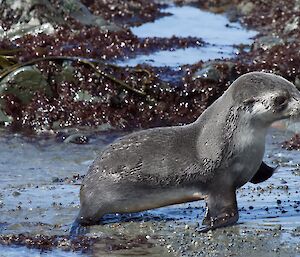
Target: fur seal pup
x=208, y=159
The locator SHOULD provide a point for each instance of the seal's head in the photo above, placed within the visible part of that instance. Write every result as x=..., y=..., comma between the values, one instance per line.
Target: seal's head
x=266, y=97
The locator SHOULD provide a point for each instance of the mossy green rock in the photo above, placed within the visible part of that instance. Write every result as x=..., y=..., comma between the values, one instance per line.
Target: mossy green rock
x=4, y=118
x=23, y=83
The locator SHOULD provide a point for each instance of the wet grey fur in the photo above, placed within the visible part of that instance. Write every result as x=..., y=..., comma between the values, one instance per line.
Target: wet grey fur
x=207, y=159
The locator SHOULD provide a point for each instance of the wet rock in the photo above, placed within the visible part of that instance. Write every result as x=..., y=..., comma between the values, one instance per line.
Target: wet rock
x=297, y=230
x=233, y=14
x=132, y=12
x=296, y=172
x=282, y=181
x=16, y=193
x=23, y=83
x=55, y=180
x=292, y=24
x=207, y=72
x=81, y=13
x=210, y=71
x=85, y=96
x=4, y=118
x=297, y=6
x=41, y=16
x=267, y=42
x=66, y=74
x=33, y=27
x=17, y=89
x=246, y=7
x=28, y=21
x=77, y=139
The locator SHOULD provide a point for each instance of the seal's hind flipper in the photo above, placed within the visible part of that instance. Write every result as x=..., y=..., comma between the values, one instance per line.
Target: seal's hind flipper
x=221, y=210
x=264, y=172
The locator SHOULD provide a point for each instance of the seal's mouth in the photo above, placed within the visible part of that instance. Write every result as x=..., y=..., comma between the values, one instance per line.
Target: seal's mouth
x=294, y=109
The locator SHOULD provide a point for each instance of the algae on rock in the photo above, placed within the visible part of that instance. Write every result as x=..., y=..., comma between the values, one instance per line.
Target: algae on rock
x=24, y=82
x=37, y=16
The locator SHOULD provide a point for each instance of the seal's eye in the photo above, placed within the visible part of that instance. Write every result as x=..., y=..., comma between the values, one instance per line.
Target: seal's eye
x=280, y=100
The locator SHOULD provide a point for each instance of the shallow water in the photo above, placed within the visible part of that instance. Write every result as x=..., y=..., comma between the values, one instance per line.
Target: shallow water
x=38, y=196
x=218, y=33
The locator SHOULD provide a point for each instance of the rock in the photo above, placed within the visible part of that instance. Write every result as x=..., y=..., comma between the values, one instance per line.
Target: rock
x=32, y=22
x=77, y=139
x=55, y=180
x=233, y=14
x=4, y=118
x=81, y=13
x=23, y=83
x=267, y=42
x=67, y=73
x=16, y=193
x=246, y=8
x=297, y=6
x=33, y=27
x=29, y=21
x=292, y=24
x=85, y=96
x=210, y=71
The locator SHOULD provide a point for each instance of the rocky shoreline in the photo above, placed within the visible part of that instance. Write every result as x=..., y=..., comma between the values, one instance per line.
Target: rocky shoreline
x=69, y=94
x=90, y=94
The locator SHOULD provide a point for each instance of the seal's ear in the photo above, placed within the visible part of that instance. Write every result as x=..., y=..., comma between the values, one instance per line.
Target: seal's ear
x=249, y=101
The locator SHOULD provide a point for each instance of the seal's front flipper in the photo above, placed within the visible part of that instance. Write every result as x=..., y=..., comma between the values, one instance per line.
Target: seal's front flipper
x=207, y=218
x=221, y=210
x=264, y=172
